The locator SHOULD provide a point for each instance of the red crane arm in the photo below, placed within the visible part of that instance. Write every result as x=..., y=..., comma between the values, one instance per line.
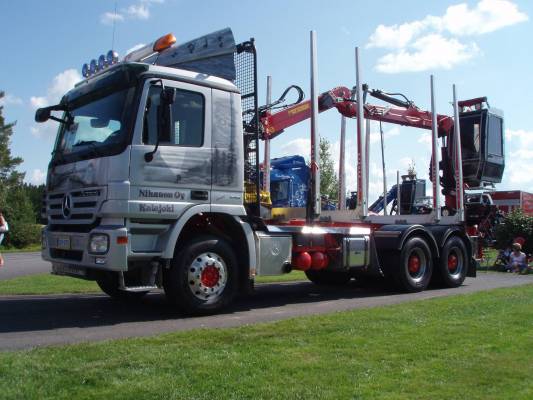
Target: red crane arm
x=339, y=97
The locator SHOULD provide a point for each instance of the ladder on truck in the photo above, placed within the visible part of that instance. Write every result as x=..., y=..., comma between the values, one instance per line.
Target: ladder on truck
x=245, y=58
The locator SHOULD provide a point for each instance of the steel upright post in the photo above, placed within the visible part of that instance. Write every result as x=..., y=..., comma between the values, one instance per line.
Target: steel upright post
x=342, y=173
x=361, y=152
x=459, y=191
x=435, y=155
x=315, y=137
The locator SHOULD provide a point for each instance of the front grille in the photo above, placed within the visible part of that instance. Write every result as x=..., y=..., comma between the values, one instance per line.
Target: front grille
x=84, y=204
x=74, y=255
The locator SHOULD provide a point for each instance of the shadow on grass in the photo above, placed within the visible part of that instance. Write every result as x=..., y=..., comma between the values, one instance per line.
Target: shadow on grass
x=34, y=313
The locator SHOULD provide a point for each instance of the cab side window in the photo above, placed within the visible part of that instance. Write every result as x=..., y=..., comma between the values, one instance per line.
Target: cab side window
x=187, y=126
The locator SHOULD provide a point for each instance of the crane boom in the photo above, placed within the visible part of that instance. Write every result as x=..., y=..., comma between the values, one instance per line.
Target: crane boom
x=273, y=124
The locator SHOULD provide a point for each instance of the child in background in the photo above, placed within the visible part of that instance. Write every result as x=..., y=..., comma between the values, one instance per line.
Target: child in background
x=517, y=259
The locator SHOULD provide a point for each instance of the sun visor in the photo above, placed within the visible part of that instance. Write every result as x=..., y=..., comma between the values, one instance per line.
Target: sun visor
x=211, y=54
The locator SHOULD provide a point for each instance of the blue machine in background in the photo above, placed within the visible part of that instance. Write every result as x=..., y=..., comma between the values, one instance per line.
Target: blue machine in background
x=289, y=177
x=289, y=183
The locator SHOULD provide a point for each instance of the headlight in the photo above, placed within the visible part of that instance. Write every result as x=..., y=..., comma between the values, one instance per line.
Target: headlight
x=98, y=244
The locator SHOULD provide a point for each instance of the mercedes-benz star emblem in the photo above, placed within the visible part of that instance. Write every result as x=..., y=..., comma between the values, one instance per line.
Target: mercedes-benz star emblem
x=66, y=205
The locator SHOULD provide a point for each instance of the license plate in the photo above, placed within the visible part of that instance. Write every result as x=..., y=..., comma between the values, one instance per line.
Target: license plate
x=63, y=243
x=66, y=269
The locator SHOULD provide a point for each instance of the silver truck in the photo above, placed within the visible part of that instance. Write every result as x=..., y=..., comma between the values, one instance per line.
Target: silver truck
x=154, y=182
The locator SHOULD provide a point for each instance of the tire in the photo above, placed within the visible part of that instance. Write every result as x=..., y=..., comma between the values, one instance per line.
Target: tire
x=411, y=272
x=328, y=278
x=453, y=263
x=203, y=276
x=108, y=283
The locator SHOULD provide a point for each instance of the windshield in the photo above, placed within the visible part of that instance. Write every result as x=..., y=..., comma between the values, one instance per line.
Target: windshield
x=97, y=125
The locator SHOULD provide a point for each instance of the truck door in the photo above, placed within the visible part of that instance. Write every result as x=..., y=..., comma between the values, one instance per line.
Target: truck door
x=179, y=175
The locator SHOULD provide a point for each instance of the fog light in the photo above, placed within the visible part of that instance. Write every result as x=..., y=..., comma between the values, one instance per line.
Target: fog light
x=99, y=244
x=99, y=260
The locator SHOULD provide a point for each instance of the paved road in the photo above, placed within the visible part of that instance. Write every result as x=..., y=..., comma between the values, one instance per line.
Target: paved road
x=19, y=264
x=29, y=321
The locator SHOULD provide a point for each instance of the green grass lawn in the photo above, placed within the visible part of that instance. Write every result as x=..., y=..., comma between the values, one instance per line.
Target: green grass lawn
x=476, y=346
x=52, y=284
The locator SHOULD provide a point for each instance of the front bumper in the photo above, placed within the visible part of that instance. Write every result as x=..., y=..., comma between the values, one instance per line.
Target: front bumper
x=72, y=248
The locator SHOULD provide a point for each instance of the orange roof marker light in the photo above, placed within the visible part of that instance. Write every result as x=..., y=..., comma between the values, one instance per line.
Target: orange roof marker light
x=164, y=42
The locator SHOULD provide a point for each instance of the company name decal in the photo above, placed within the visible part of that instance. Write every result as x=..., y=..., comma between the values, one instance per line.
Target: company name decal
x=156, y=208
x=147, y=193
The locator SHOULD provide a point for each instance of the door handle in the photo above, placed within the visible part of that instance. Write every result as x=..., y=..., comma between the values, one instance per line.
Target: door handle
x=199, y=195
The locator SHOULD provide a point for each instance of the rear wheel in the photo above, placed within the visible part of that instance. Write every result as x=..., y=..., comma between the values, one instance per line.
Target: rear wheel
x=108, y=282
x=328, y=278
x=452, y=266
x=203, y=276
x=411, y=271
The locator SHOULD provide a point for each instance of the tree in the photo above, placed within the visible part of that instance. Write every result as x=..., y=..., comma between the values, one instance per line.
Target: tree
x=14, y=201
x=9, y=176
x=329, y=183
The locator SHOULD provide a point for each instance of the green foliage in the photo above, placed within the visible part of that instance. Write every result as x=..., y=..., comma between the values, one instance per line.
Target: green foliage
x=20, y=216
x=35, y=195
x=15, y=203
x=329, y=184
x=515, y=224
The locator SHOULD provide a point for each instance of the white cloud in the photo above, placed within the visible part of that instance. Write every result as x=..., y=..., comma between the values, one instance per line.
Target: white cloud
x=61, y=84
x=428, y=52
x=38, y=177
x=396, y=36
x=138, y=11
x=9, y=99
x=426, y=44
x=300, y=146
x=108, y=18
x=487, y=16
x=375, y=135
x=518, y=173
x=426, y=140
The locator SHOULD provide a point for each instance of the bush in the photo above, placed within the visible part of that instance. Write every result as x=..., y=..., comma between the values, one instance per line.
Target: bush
x=22, y=235
x=515, y=224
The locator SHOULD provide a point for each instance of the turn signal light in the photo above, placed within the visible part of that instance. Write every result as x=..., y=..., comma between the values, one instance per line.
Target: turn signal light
x=164, y=42
x=122, y=240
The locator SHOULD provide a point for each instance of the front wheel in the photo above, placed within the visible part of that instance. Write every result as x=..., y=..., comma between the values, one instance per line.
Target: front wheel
x=202, y=278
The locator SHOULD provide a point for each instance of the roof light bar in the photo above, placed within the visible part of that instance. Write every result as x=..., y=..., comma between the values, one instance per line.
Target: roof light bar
x=103, y=62
x=111, y=58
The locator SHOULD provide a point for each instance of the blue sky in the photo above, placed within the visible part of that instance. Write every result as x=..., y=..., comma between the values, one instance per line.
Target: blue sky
x=482, y=46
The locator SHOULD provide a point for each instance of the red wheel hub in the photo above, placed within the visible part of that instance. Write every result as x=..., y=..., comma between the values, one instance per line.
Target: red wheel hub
x=414, y=264
x=210, y=276
x=452, y=262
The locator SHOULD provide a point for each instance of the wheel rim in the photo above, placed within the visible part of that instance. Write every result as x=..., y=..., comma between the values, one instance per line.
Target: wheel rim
x=207, y=276
x=416, y=265
x=455, y=262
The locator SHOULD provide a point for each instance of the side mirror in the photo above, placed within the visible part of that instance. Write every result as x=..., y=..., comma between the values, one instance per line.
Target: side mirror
x=42, y=114
x=164, y=118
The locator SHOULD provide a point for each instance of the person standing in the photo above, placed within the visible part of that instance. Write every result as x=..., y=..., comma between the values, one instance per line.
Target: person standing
x=3, y=229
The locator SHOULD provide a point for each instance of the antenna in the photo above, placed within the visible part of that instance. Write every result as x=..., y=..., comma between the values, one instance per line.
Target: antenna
x=114, y=25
